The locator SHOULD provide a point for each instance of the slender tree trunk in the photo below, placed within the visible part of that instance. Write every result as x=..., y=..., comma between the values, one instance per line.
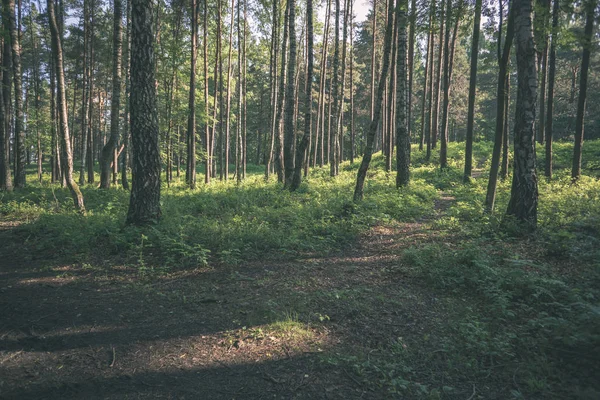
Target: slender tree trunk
x=20, y=153
x=352, y=132
x=411, y=58
x=84, y=94
x=5, y=175
x=373, y=52
x=320, y=130
x=62, y=110
x=125, y=152
x=551, y=77
x=244, y=92
x=505, y=139
x=544, y=11
x=364, y=166
x=426, y=88
x=115, y=102
x=448, y=67
x=304, y=142
x=228, y=112
x=207, y=136
x=524, y=192
x=402, y=122
x=279, y=162
x=289, y=126
x=472, y=92
x=438, y=82
x=144, y=204
x=90, y=120
x=238, y=137
x=389, y=99
x=590, y=7
x=503, y=59
x=273, y=86
x=335, y=91
x=428, y=131
x=340, y=111
x=217, y=103
x=191, y=128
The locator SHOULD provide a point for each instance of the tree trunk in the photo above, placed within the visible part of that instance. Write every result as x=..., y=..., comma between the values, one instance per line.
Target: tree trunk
x=446, y=90
x=89, y=132
x=438, y=81
x=144, y=204
x=364, y=165
x=503, y=59
x=389, y=98
x=289, y=125
x=67, y=158
x=590, y=7
x=5, y=175
x=127, y=125
x=304, y=142
x=428, y=131
x=550, y=101
x=402, y=131
x=335, y=91
x=279, y=162
x=352, y=133
x=426, y=89
x=191, y=128
x=320, y=130
x=505, y=141
x=411, y=57
x=14, y=34
x=544, y=10
x=373, y=58
x=228, y=111
x=207, y=136
x=472, y=92
x=115, y=101
x=524, y=192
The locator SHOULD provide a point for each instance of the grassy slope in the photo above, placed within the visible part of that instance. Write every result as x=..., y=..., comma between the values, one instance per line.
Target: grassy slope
x=518, y=314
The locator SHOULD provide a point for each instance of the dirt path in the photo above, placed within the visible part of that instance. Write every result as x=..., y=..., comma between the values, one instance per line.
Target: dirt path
x=251, y=331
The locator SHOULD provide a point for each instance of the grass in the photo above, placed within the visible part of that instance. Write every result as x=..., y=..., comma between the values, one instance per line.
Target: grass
x=510, y=310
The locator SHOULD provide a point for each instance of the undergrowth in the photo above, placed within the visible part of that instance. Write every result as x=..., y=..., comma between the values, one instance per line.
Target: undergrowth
x=522, y=312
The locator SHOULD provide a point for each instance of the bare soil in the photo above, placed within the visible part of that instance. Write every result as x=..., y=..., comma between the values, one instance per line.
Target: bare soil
x=251, y=331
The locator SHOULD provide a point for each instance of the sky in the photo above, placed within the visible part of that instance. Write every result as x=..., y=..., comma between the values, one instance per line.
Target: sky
x=361, y=9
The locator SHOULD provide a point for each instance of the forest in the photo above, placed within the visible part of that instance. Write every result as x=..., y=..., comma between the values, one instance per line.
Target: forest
x=299, y=199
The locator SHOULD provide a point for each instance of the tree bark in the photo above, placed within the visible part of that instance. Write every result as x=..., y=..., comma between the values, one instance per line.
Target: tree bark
x=289, y=125
x=364, y=165
x=472, y=92
x=191, y=128
x=144, y=203
x=207, y=136
x=127, y=125
x=305, y=141
x=5, y=175
x=67, y=155
x=503, y=59
x=550, y=101
x=524, y=191
x=438, y=81
x=115, y=101
x=590, y=7
x=20, y=153
x=402, y=122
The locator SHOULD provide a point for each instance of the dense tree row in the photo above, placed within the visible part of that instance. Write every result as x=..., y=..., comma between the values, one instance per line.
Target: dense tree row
x=157, y=86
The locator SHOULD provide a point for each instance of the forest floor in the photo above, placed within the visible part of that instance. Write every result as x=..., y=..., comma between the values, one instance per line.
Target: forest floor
x=383, y=316
x=73, y=331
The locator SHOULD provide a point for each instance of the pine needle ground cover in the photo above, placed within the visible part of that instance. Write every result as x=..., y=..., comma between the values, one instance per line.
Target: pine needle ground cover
x=249, y=291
